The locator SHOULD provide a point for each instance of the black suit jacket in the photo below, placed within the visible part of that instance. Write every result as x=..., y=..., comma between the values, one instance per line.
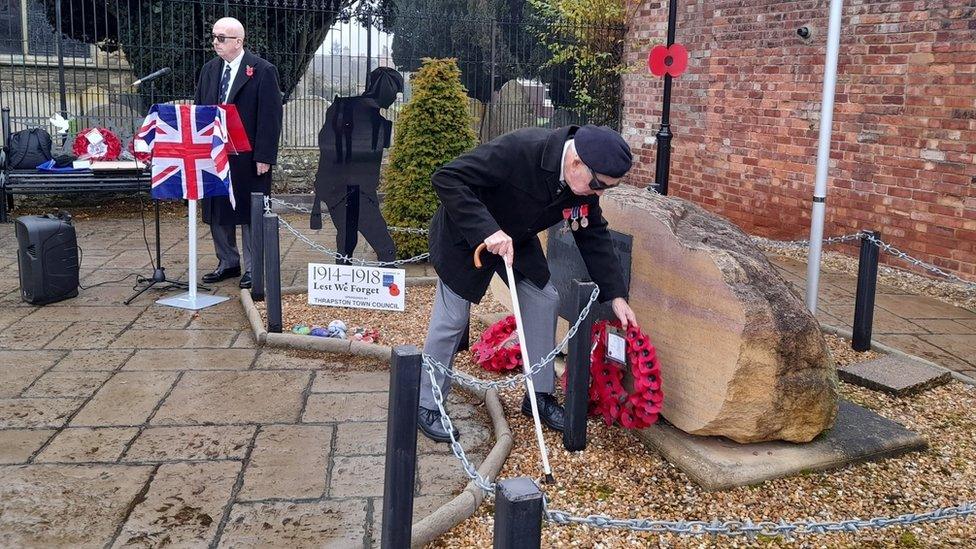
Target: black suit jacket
x=258, y=100
x=512, y=183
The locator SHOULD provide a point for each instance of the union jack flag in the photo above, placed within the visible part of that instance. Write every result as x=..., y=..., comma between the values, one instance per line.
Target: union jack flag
x=189, y=155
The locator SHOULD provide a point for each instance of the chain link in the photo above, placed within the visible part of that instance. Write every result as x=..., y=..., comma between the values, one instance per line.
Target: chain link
x=888, y=248
x=751, y=529
x=884, y=246
x=481, y=482
x=509, y=382
x=342, y=257
x=303, y=209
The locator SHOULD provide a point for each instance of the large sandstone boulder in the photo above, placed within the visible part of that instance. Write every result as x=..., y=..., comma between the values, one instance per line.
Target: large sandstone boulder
x=740, y=355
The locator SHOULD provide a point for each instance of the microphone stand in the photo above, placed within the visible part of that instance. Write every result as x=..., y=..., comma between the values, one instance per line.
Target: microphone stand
x=159, y=273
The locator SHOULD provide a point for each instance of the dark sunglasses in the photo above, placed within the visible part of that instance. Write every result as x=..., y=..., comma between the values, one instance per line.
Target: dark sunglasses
x=597, y=185
x=221, y=38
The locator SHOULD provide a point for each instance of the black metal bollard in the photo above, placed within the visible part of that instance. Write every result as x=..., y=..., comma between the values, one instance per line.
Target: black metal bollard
x=272, y=272
x=257, y=246
x=867, y=283
x=578, y=370
x=401, y=446
x=518, y=514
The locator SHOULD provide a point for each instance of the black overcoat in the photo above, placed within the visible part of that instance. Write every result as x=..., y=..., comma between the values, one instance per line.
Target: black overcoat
x=512, y=183
x=258, y=100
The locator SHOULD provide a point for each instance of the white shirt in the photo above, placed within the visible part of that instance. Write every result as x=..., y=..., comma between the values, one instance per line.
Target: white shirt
x=235, y=65
x=562, y=163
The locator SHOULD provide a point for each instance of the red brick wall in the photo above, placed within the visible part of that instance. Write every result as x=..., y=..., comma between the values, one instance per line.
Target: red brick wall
x=746, y=118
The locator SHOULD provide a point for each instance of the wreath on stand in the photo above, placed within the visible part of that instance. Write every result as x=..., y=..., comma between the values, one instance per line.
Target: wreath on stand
x=608, y=397
x=87, y=146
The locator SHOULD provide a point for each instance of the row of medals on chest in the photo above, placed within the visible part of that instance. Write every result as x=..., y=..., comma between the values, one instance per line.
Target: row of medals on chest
x=575, y=218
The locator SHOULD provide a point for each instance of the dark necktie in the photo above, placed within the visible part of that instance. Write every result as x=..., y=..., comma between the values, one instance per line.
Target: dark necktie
x=224, y=83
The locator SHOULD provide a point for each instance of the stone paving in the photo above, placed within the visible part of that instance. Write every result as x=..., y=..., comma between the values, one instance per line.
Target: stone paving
x=146, y=425
x=918, y=325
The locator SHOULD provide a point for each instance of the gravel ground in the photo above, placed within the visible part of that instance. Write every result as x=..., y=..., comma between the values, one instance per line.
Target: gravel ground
x=617, y=476
x=942, y=289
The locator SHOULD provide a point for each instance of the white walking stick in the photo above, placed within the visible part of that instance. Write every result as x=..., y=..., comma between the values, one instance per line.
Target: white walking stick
x=526, y=364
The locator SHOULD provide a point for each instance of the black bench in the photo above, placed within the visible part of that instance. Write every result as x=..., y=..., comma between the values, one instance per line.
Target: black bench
x=32, y=182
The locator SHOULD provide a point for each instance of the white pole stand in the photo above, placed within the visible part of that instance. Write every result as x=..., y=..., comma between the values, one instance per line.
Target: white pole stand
x=192, y=300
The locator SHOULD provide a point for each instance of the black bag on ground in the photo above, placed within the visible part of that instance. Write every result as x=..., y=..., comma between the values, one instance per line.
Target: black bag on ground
x=29, y=148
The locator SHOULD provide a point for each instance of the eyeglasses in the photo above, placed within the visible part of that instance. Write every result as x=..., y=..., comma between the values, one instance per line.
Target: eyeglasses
x=597, y=185
x=221, y=38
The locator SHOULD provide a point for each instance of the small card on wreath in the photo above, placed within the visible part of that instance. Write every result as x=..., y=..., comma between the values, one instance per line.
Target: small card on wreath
x=616, y=346
x=356, y=286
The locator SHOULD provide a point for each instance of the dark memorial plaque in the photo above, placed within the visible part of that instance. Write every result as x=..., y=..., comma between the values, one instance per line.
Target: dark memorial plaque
x=566, y=264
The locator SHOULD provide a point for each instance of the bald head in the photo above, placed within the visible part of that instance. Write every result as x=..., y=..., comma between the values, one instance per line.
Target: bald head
x=228, y=38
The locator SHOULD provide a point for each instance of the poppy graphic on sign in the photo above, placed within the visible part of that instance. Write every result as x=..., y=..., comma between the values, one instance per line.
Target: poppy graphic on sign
x=668, y=60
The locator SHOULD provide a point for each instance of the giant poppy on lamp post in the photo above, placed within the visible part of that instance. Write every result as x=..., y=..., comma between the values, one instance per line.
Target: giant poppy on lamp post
x=671, y=60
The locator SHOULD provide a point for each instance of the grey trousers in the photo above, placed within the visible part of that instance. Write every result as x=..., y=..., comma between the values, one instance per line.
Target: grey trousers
x=225, y=244
x=450, y=315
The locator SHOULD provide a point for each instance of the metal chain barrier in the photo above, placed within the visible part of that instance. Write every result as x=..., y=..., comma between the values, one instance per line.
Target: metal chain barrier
x=342, y=257
x=751, y=529
x=303, y=209
x=470, y=381
x=888, y=248
x=469, y=469
x=917, y=262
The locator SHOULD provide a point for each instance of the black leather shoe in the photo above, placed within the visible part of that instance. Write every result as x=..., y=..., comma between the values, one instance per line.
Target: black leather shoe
x=551, y=412
x=246, y=280
x=429, y=422
x=221, y=274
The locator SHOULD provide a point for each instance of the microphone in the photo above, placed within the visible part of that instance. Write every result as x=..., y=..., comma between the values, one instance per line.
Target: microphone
x=152, y=76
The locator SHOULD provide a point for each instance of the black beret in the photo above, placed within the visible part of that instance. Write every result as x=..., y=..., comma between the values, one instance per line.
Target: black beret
x=603, y=150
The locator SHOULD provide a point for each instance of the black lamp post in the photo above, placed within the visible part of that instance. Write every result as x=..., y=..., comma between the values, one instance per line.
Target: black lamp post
x=662, y=165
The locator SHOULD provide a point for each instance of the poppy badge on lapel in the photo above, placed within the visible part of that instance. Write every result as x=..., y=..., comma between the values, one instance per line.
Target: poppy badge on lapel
x=249, y=71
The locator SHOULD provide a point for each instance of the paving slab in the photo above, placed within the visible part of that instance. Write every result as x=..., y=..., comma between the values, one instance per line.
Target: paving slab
x=358, y=476
x=235, y=397
x=894, y=375
x=65, y=505
x=191, y=443
x=22, y=413
x=913, y=344
x=288, y=462
x=919, y=306
x=92, y=360
x=115, y=314
x=352, y=382
x=128, y=398
x=946, y=326
x=83, y=444
x=183, y=506
x=14, y=378
x=961, y=346
x=717, y=463
x=190, y=359
x=67, y=384
x=29, y=335
x=325, y=524
x=333, y=407
x=18, y=445
x=87, y=335
x=173, y=339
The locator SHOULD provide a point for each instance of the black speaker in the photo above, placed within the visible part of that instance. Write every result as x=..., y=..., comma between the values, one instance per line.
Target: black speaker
x=47, y=258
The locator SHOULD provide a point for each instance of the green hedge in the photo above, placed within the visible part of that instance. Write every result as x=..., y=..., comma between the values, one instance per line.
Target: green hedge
x=433, y=128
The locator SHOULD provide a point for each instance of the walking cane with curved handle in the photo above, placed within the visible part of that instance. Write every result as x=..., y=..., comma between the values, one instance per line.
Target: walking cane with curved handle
x=526, y=364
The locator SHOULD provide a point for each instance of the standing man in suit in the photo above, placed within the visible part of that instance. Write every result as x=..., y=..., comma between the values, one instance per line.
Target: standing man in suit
x=502, y=194
x=241, y=78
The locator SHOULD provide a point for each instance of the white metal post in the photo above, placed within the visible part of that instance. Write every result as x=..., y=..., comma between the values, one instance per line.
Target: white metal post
x=823, y=154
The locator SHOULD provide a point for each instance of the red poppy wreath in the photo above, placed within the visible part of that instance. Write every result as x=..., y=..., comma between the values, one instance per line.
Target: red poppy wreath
x=498, y=349
x=87, y=145
x=608, y=397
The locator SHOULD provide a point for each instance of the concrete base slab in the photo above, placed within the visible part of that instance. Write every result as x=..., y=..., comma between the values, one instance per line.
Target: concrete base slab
x=894, y=375
x=717, y=463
